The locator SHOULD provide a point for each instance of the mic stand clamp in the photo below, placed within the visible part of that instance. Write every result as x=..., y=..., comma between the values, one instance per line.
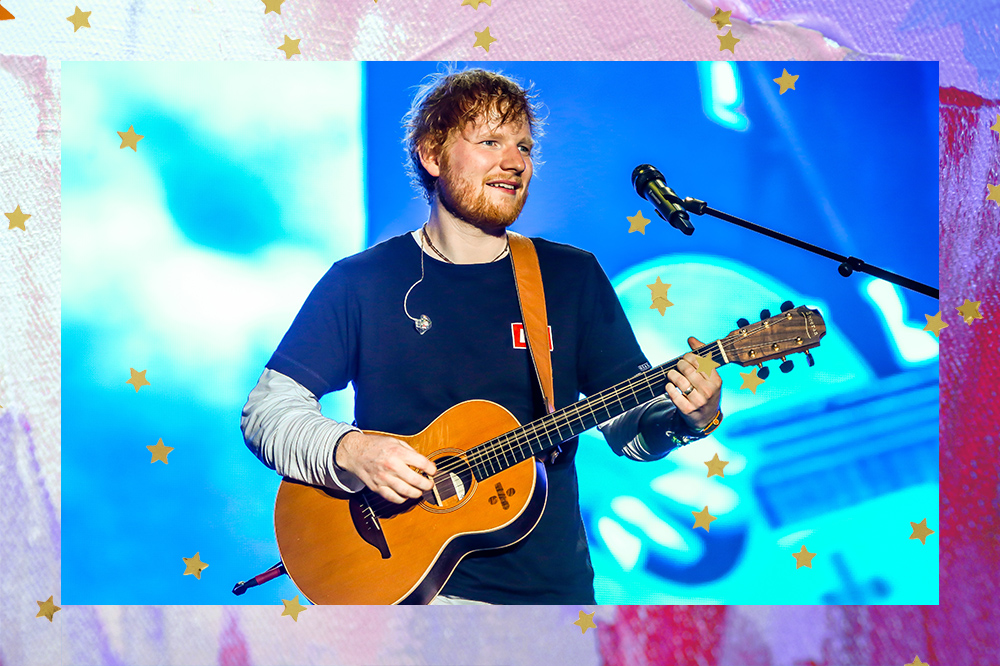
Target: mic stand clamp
x=850, y=265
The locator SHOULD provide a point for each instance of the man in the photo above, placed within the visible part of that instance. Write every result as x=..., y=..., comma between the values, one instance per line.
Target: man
x=425, y=320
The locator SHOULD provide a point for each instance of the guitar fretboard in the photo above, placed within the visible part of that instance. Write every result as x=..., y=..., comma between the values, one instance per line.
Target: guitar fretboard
x=507, y=450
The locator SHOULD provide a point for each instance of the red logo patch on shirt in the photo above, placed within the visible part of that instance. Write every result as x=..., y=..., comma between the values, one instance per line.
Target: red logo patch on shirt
x=520, y=341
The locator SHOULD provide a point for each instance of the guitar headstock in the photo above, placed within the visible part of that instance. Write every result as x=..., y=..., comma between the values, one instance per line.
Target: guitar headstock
x=794, y=330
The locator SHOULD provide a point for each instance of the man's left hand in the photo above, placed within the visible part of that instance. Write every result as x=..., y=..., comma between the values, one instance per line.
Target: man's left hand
x=696, y=397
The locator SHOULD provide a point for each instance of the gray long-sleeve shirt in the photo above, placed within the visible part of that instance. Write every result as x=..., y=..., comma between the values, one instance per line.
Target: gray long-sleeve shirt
x=284, y=427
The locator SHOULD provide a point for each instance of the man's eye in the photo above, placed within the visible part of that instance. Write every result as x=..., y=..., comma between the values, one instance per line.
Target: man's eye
x=526, y=149
x=489, y=141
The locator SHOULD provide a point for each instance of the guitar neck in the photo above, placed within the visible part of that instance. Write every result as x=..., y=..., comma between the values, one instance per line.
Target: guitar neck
x=513, y=447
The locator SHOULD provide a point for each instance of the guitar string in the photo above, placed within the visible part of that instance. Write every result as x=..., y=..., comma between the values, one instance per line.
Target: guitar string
x=491, y=450
x=506, y=442
x=487, y=451
x=499, y=444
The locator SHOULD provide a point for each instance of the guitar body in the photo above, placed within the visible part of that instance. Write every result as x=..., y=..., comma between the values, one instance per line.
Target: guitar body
x=358, y=548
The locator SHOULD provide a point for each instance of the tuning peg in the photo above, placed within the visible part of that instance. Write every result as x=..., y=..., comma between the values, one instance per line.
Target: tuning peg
x=763, y=372
x=764, y=314
x=741, y=322
x=809, y=359
x=786, y=306
x=786, y=366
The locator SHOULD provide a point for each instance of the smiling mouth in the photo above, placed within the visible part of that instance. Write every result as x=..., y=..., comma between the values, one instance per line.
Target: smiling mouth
x=503, y=187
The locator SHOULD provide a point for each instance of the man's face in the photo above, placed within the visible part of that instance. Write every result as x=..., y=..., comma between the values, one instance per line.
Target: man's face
x=484, y=173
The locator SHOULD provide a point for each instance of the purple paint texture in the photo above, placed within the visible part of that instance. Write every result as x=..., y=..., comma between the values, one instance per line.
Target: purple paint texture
x=29, y=549
x=980, y=24
x=963, y=36
x=232, y=643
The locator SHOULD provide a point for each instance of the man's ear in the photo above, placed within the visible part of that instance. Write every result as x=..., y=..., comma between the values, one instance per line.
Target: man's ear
x=429, y=158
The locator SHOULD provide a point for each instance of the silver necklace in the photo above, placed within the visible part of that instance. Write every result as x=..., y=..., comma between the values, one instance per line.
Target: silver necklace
x=423, y=231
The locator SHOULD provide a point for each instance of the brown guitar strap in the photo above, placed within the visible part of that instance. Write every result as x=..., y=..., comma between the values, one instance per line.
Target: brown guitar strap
x=531, y=296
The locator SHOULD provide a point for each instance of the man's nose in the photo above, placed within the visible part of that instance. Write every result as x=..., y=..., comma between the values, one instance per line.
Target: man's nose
x=512, y=160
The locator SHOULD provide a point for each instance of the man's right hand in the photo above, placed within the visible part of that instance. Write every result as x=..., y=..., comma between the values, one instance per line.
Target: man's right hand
x=384, y=464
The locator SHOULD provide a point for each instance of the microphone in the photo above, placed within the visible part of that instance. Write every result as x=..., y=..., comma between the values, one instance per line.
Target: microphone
x=649, y=185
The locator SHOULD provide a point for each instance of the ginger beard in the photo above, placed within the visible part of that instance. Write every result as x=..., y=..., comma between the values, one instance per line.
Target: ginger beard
x=469, y=201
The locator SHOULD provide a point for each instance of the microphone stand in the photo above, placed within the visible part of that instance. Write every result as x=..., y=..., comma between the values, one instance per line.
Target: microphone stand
x=848, y=265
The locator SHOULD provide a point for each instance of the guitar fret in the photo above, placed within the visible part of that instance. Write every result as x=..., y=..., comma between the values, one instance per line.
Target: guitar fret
x=572, y=420
x=620, y=405
x=563, y=424
x=554, y=425
x=649, y=386
x=507, y=450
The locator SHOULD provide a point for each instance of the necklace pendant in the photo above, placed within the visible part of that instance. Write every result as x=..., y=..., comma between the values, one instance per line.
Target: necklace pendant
x=423, y=324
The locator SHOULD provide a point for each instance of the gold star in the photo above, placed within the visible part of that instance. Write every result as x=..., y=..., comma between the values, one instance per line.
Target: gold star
x=720, y=18
x=290, y=47
x=970, y=311
x=994, y=194
x=130, y=138
x=475, y=4
x=660, y=304
x=727, y=41
x=660, y=300
x=703, y=518
x=916, y=662
x=17, y=218
x=921, y=531
x=585, y=622
x=996, y=125
x=272, y=6
x=706, y=364
x=79, y=19
x=138, y=379
x=159, y=451
x=659, y=289
x=803, y=558
x=935, y=324
x=786, y=81
x=638, y=222
x=292, y=607
x=751, y=381
x=194, y=566
x=715, y=466
x=47, y=608
x=484, y=38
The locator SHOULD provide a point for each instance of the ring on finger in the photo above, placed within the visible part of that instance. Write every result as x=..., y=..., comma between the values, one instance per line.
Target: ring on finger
x=689, y=390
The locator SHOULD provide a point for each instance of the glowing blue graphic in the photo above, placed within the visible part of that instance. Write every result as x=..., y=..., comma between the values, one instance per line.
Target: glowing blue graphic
x=911, y=344
x=189, y=258
x=722, y=95
x=835, y=428
x=625, y=547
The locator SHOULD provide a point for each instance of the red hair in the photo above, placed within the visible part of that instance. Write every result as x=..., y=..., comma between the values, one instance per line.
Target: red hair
x=447, y=101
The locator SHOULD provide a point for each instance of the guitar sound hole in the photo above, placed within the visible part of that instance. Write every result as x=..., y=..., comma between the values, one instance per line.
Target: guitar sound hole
x=451, y=484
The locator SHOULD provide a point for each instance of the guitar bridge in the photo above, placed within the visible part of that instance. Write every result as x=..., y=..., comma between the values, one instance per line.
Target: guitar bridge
x=367, y=523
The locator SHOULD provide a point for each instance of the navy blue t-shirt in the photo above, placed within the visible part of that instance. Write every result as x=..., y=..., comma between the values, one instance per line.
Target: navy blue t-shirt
x=352, y=328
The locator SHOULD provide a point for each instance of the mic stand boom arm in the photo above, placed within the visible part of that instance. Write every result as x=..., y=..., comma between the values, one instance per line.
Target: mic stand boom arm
x=848, y=265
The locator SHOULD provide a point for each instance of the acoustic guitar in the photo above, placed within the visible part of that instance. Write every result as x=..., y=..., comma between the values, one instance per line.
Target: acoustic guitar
x=489, y=491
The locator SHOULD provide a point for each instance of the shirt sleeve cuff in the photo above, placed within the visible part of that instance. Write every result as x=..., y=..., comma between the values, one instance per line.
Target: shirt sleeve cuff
x=344, y=479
